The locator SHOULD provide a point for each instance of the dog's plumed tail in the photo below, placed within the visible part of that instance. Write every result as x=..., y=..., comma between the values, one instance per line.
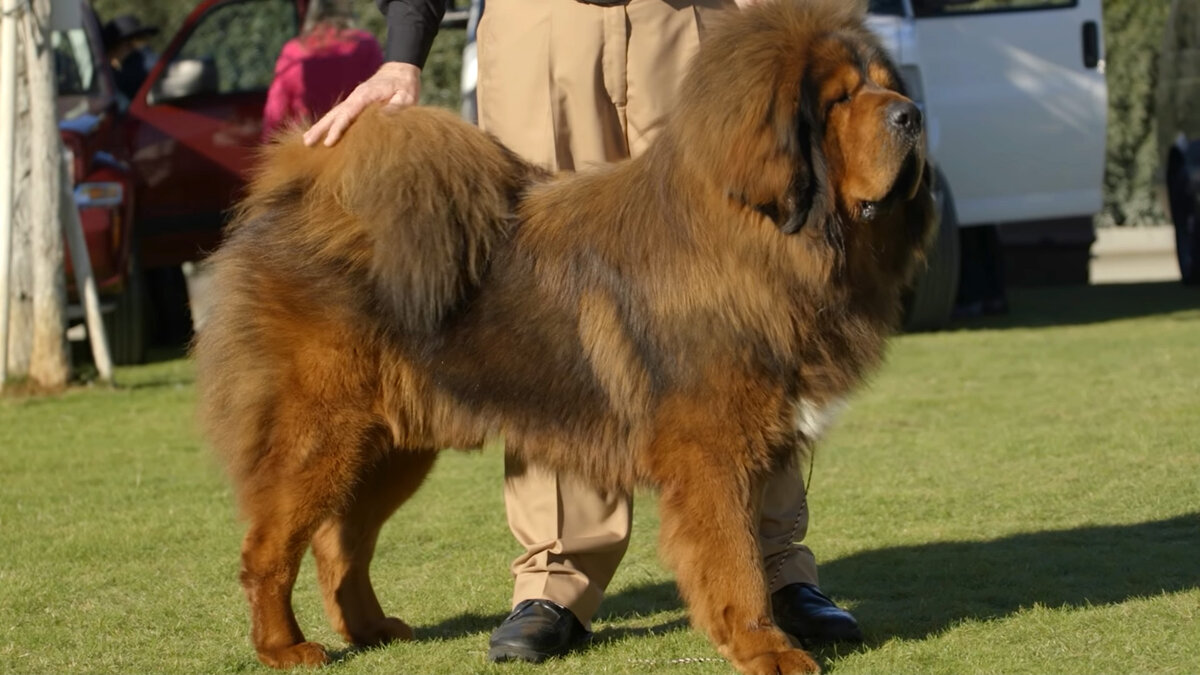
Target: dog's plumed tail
x=420, y=199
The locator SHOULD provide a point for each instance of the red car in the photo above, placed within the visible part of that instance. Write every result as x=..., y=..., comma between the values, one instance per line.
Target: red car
x=155, y=177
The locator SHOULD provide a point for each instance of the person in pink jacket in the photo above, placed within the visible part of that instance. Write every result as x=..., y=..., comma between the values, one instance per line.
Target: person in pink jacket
x=316, y=69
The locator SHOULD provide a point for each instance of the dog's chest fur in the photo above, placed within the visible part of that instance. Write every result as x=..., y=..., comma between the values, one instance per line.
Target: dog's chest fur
x=812, y=420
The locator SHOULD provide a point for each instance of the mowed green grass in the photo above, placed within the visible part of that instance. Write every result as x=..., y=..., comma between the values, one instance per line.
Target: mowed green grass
x=1019, y=495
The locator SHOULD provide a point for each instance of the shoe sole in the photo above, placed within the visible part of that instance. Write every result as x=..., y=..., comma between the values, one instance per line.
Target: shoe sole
x=508, y=653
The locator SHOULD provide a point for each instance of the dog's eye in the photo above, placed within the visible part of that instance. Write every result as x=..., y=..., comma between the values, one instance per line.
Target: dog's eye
x=844, y=98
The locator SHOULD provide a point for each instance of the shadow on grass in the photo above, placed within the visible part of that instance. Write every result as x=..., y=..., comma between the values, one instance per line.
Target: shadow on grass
x=915, y=591
x=1073, y=305
x=639, y=600
x=643, y=600
x=615, y=633
x=912, y=592
x=86, y=372
x=460, y=626
x=168, y=352
x=650, y=598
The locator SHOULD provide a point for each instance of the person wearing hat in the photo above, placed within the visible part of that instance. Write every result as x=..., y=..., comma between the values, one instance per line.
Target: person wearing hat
x=124, y=42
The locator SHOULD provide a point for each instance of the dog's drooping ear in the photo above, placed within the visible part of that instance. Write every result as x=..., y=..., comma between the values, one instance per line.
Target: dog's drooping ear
x=795, y=212
x=806, y=197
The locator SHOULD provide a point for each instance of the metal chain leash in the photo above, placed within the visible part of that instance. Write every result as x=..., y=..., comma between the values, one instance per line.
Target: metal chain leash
x=795, y=524
x=680, y=661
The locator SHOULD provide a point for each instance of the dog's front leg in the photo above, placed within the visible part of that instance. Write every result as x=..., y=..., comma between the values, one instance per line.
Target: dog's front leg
x=707, y=507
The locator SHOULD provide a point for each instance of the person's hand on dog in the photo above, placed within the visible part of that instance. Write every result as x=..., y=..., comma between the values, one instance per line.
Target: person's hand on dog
x=396, y=84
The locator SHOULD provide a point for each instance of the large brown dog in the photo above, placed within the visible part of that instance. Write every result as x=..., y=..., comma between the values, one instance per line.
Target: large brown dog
x=665, y=321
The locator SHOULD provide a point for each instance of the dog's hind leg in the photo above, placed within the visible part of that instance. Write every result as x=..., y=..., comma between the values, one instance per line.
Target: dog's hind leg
x=288, y=494
x=345, y=543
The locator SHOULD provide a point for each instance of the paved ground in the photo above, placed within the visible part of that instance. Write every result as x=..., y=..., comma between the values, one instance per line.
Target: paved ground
x=1127, y=255
x=1120, y=255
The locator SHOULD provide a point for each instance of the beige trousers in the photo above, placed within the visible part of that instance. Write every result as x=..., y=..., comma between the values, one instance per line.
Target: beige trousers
x=566, y=84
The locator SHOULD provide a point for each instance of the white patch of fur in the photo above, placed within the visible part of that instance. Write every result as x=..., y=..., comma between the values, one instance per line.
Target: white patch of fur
x=813, y=419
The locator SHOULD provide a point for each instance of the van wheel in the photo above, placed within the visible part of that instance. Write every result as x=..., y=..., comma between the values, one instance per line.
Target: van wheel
x=1185, y=212
x=126, y=323
x=927, y=306
x=1187, y=249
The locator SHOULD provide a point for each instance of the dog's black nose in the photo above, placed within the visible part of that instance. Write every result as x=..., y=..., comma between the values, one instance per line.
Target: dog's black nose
x=905, y=116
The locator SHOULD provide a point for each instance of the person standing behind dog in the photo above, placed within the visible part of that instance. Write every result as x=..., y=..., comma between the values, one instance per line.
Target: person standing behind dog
x=566, y=83
x=125, y=40
x=325, y=62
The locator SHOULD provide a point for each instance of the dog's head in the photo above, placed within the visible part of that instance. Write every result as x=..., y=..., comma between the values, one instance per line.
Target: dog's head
x=794, y=109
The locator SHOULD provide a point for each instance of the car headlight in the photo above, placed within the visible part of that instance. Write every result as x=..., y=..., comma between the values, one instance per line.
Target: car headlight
x=102, y=195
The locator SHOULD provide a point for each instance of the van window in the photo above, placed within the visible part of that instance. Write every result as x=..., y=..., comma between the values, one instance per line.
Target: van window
x=890, y=7
x=241, y=40
x=959, y=7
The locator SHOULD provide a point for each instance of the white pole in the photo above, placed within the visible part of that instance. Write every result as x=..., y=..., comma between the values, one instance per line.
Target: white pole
x=8, y=127
x=85, y=280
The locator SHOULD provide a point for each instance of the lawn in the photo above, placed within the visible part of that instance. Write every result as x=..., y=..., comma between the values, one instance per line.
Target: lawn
x=1018, y=495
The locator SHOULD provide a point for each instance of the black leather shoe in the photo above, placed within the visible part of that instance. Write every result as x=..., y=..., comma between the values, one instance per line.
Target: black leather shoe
x=535, y=631
x=807, y=614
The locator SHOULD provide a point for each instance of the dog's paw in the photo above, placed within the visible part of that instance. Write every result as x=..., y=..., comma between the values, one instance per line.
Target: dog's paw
x=390, y=629
x=303, y=654
x=783, y=662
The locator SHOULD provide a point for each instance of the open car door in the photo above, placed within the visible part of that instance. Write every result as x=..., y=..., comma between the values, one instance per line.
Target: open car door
x=196, y=121
x=1030, y=72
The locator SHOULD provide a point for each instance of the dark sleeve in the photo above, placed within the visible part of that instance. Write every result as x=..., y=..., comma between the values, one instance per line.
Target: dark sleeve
x=411, y=27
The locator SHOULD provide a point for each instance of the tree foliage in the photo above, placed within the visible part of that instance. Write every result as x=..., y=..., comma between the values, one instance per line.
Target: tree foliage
x=1133, y=31
x=264, y=33
x=167, y=16
x=243, y=40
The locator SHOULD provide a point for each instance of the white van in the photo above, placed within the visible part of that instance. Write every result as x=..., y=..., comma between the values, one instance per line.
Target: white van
x=1016, y=109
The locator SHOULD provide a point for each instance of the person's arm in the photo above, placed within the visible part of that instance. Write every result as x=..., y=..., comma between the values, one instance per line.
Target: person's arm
x=412, y=25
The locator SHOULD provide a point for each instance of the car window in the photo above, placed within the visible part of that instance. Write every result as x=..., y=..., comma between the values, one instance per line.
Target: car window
x=242, y=40
x=892, y=7
x=74, y=69
x=959, y=7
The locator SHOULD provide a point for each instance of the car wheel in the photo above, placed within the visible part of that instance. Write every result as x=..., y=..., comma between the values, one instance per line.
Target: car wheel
x=126, y=323
x=169, y=316
x=928, y=305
